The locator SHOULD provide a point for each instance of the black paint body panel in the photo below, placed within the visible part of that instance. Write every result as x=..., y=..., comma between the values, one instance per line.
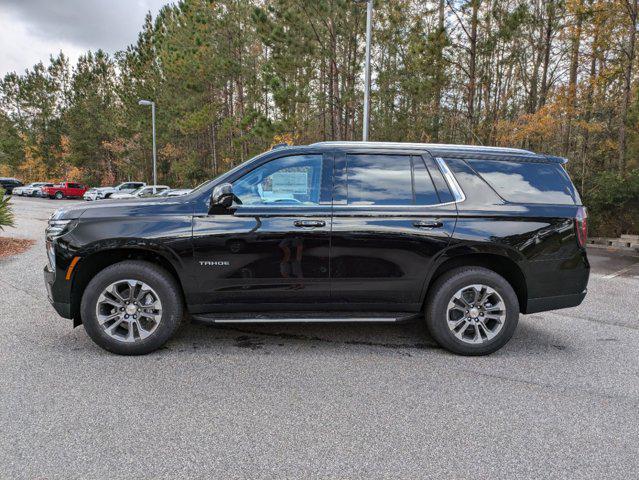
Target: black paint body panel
x=364, y=258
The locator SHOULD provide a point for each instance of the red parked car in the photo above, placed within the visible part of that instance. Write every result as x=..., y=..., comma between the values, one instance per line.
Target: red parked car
x=64, y=190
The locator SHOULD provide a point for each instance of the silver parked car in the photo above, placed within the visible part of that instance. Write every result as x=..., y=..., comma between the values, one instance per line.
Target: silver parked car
x=147, y=191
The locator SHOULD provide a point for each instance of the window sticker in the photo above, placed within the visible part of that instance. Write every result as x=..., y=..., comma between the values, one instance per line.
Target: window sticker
x=290, y=182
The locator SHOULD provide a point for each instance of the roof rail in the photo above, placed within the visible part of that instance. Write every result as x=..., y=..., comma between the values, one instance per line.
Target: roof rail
x=280, y=145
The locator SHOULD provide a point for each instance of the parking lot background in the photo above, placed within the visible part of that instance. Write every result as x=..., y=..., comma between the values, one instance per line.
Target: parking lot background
x=561, y=400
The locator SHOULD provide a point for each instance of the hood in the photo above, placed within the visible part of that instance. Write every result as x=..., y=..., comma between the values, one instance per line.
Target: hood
x=104, y=189
x=128, y=207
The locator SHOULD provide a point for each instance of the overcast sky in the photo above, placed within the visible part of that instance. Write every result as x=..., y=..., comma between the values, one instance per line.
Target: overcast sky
x=32, y=30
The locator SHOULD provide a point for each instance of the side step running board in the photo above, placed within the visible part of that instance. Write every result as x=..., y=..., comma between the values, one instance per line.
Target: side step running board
x=297, y=318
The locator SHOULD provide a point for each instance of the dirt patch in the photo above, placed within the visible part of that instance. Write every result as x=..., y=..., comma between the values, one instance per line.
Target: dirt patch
x=14, y=246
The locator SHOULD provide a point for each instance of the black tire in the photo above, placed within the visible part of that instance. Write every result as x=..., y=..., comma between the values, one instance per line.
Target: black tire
x=159, y=280
x=443, y=290
x=58, y=195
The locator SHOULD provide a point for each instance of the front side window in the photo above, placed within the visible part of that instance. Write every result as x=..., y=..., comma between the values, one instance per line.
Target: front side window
x=377, y=179
x=293, y=180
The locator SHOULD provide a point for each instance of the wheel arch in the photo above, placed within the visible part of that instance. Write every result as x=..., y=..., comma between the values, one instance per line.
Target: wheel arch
x=95, y=262
x=498, y=263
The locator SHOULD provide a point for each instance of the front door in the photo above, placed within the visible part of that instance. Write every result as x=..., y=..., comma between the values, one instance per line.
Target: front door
x=272, y=246
x=389, y=223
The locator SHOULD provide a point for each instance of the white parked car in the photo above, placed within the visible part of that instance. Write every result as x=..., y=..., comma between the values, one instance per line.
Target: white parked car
x=28, y=190
x=146, y=191
x=107, y=192
x=18, y=190
x=37, y=191
x=175, y=192
x=91, y=194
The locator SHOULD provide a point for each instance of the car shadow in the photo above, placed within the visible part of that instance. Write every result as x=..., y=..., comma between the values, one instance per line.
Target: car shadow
x=399, y=337
x=403, y=338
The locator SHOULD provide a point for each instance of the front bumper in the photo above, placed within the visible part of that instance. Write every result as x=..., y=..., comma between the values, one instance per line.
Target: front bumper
x=56, y=295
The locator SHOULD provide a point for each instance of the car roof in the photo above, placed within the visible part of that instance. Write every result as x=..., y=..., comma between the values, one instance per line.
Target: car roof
x=445, y=150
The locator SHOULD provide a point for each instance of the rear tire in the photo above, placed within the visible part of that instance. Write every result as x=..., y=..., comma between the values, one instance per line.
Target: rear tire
x=103, y=313
x=461, y=322
x=58, y=195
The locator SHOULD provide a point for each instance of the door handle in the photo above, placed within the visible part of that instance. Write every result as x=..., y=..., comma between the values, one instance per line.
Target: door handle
x=309, y=223
x=428, y=224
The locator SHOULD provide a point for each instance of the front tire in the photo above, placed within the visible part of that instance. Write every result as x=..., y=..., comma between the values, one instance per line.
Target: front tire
x=132, y=308
x=472, y=311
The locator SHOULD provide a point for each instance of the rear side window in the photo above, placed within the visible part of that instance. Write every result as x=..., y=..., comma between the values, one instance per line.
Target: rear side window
x=527, y=182
x=389, y=180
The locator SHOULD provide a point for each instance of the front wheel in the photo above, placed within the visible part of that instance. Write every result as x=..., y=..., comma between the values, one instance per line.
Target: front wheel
x=132, y=308
x=472, y=311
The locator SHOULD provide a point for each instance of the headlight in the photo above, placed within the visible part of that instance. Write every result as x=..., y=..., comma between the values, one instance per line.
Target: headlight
x=59, y=227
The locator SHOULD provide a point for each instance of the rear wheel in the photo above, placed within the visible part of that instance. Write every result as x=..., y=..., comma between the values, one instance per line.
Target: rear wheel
x=59, y=195
x=132, y=308
x=472, y=311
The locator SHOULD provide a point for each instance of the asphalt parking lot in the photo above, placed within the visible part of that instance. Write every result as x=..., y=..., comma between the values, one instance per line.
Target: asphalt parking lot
x=561, y=400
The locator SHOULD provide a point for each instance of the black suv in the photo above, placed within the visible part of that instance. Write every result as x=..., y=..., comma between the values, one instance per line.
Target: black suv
x=8, y=184
x=464, y=237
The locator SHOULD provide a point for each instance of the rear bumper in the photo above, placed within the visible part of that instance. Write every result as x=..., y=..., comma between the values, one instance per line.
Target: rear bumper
x=555, y=284
x=544, y=304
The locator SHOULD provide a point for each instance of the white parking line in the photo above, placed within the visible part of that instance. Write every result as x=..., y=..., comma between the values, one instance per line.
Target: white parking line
x=620, y=272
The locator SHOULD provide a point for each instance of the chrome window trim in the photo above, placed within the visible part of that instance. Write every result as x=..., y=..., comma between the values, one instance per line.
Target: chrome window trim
x=456, y=190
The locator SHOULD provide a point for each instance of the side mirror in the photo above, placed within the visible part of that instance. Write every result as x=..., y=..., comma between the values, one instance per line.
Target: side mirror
x=222, y=196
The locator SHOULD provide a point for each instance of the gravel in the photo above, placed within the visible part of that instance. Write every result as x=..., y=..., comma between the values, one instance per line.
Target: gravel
x=306, y=401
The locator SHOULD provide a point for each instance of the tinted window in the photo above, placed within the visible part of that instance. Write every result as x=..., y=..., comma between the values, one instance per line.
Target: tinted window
x=379, y=180
x=294, y=180
x=74, y=185
x=389, y=180
x=527, y=182
x=425, y=193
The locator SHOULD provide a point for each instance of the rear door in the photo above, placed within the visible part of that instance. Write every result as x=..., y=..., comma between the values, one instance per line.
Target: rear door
x=389, y=223
x=74, y=190
x=272, y=246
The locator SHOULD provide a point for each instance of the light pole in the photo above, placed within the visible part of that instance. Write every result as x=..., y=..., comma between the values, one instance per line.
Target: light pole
x=146, y=103
x=367, y=73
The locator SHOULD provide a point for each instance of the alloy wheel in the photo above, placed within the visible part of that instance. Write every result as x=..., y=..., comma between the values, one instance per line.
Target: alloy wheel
x=476, y=314
x=129, y=310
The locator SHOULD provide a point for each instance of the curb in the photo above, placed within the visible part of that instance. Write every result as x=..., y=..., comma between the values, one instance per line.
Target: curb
x=628, y=252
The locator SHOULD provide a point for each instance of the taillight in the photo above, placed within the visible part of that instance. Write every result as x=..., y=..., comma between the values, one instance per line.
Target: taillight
x=581, y=225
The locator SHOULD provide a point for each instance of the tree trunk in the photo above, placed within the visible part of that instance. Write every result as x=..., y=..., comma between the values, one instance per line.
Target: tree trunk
x=472, y=67
x=439, y=69
x=572, y=80
x=631, y=7
x=550, y=18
